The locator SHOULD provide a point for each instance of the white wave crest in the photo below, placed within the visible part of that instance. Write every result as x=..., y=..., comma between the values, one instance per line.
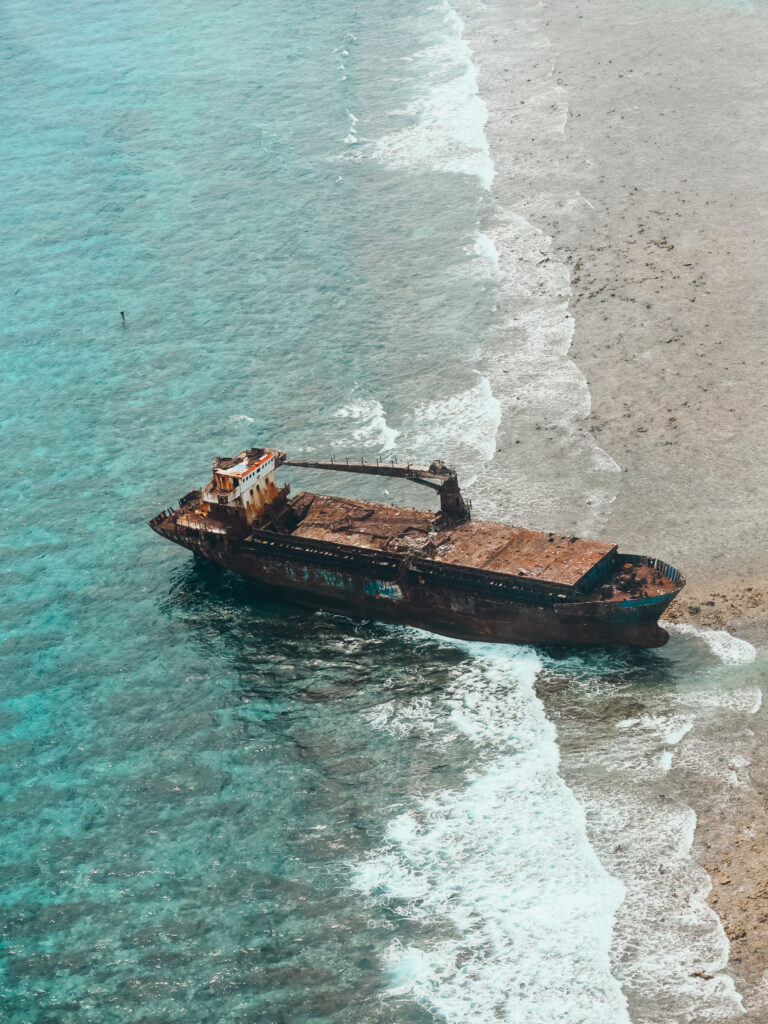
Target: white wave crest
x=467, y=420
x=460, y=428
x=543, y=395
x=372, y=428
x=628, y=779
x=351, y=137
x=512, y=910
x=556, y=473
x=485, y=249
x=417, y=718
x=731, y=650
x=447, y=133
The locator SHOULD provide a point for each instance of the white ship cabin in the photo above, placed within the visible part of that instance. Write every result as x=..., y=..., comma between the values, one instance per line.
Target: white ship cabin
x=243, y=485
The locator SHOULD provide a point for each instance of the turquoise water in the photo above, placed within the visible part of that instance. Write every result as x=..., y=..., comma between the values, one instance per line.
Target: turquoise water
x=217, y=808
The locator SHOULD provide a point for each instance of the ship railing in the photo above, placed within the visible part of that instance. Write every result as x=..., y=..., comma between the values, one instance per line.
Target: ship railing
x=316, y=550
x=664, y=568
x=188, y=498
x=493, y=584
x=416, y=570
x=161, y=517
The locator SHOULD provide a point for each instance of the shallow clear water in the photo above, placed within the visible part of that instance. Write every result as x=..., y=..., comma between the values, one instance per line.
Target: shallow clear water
x=215, y=806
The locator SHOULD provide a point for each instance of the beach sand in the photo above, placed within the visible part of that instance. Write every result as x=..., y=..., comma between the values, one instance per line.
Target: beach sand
x=634, y=136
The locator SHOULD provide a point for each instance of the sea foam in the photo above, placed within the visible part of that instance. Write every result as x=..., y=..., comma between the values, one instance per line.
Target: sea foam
x=509, y=910
x=371, y=427
x=446, y=130
x=543, y=395
x=731, y=650
x=460, y=427
x=468, y=420
x=627, y=776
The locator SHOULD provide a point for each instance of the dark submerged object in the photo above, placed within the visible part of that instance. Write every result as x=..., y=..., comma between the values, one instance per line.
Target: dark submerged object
x=441, y=571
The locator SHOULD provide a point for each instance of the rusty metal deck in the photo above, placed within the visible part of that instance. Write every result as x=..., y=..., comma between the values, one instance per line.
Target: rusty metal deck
x=525, y=554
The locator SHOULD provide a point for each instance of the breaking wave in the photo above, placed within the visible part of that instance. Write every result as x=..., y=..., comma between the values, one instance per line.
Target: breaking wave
x=632, y=774
x=731, y=650
x=447, y=129
x=543, y=396
x=510, y=910
x=464, y=424
x=460, y=428
x=372, y=429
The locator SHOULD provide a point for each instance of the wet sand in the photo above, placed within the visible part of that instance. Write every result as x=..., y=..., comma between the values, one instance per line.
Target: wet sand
x=653, y=195
x=642, y=154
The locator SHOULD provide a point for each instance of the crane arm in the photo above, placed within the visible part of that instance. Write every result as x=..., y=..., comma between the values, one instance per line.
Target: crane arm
x=437, y=476
x=419, y=474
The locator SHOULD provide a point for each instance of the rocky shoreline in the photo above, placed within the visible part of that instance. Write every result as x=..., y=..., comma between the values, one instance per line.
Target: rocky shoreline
x=652, y=193
x=732, y=604
x=732, y=844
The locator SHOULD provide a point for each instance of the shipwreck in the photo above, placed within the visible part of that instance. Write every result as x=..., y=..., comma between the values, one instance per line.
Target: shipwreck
x=441, y=571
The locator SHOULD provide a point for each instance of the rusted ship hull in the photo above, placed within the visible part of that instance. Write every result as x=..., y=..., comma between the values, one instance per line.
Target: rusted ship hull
x=417, y=592
x=443, y=571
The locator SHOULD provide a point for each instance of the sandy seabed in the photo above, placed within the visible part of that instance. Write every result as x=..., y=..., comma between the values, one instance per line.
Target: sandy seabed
x=633, y=135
